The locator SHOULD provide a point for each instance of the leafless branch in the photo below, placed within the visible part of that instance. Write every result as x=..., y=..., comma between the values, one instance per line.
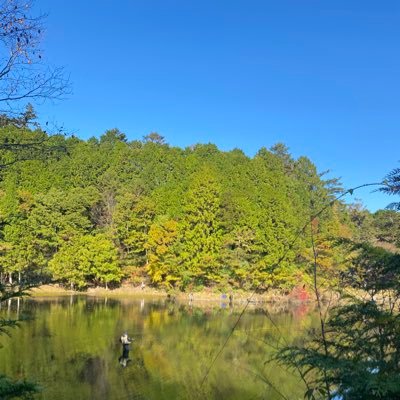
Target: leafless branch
x=23, y=75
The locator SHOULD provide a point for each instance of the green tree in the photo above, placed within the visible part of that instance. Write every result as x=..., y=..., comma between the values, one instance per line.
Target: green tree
x=40, y=225
x=133, y=218
x=358, y=357
x=87, y=259
x=200, y=232
x=154, y=137
x=162, y=265
x=239, y=256
x=362, y=221
x=387, y=226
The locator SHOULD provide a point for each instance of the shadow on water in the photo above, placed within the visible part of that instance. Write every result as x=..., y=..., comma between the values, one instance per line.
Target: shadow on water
x=71, y=345
x=94, y=373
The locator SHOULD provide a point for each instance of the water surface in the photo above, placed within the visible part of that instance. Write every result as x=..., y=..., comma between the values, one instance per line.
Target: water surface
x=70, y=346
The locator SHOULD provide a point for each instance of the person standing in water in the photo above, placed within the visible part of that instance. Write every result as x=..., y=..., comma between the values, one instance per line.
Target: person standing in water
x=125, y=341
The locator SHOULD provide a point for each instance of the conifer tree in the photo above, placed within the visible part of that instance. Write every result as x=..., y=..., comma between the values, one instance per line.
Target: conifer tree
x=87, y=258
x=162, y=266
x=200, y=232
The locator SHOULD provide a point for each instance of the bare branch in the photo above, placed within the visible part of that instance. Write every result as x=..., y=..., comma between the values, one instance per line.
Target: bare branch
x=23, y=75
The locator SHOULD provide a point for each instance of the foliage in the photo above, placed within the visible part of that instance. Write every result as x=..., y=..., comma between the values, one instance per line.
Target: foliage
x=133, y=218
x=392, y=187
x=357, y=357
x=36, y=226
x=387, y=226
x=200, y=233
x=162, y=265
x=10, y=389
x=185, y=217
x=87, y=259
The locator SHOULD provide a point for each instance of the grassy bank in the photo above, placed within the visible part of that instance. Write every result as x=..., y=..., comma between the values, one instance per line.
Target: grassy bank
x=206, y=295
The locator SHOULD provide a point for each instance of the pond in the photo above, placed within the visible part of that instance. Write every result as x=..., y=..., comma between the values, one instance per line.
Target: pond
x=70, y=345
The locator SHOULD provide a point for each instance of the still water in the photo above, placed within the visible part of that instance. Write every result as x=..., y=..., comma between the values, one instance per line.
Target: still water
x=70, y=345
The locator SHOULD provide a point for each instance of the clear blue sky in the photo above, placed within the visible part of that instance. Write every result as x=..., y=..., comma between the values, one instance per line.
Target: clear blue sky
x=321, y=76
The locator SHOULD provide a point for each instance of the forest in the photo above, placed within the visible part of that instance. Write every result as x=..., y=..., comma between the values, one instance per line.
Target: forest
x=107, y=210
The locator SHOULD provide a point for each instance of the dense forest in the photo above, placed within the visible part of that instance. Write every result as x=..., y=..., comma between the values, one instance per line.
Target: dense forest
x=100, y=211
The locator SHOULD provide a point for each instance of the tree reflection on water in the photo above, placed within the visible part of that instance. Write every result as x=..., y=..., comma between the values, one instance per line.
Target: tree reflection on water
x=72, y=348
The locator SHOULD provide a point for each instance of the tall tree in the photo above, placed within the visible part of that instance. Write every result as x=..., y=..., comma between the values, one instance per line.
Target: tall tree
x=87, y=258
x=163, y=261
x=200, y=232
x=40, y=225
x=133, y=218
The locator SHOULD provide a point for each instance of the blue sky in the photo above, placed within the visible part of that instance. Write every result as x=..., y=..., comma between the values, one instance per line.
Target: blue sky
x=321, y=76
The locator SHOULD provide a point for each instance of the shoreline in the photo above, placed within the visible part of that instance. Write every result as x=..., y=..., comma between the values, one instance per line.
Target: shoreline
x=206, y=295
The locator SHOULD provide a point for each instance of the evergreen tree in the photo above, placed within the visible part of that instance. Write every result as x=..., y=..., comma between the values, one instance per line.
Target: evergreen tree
x=200, y=233
x=87, y=259
x=357, y=358
x=392, y=187
x=162, y=265
x=133, y=218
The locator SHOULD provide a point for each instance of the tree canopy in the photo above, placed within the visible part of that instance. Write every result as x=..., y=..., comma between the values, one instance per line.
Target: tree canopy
x=175, y=217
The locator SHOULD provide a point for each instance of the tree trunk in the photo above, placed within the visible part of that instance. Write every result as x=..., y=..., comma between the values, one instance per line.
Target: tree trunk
x=8, y=308
x=10, y=280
